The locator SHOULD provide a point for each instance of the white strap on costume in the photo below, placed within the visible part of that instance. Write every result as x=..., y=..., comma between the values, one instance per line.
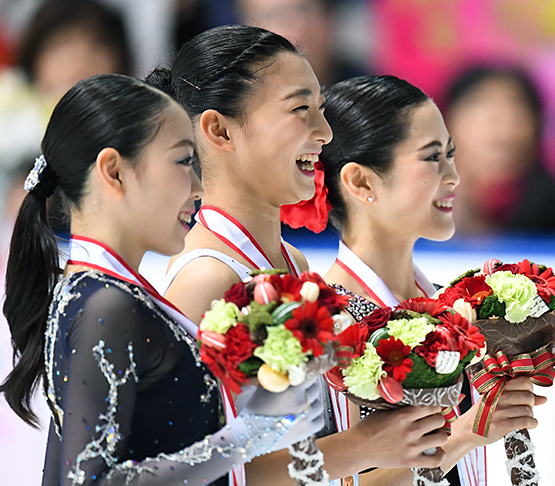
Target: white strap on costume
x=241, y=270
x=236, y=236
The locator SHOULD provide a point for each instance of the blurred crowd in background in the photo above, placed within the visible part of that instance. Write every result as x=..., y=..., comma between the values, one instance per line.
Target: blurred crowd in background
x=489, y=65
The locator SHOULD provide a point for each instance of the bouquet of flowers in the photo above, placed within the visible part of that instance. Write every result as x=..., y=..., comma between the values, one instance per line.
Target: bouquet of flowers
x=512, y=305
x=412, y=354
x=277, y=330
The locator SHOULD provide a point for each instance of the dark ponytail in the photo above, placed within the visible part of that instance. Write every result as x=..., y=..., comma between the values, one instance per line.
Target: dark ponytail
x=369, y=116
x=103, y=111
x=217, y=69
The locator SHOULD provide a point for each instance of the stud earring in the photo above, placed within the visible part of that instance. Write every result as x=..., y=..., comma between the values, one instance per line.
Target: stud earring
x=370, y=198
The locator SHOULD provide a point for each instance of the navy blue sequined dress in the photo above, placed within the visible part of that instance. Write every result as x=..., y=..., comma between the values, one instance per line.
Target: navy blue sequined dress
x=124, y=383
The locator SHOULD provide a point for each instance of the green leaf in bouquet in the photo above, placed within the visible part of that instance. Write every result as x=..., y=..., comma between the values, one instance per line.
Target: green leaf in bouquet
x=424, y=376
x=491, y=306
x=259, y=317
x=469, y=273
x=251, y=365
x=551, y=303
x=269, y=271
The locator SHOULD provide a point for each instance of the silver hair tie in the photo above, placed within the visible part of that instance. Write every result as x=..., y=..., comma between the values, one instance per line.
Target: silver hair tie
x=34, y=176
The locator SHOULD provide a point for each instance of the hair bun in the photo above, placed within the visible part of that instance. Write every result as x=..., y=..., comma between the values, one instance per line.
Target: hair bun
x=160, y=78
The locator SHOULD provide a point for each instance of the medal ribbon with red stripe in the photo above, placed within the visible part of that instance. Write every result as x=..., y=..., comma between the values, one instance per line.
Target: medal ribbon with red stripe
x=499, y=370
x=239, y=239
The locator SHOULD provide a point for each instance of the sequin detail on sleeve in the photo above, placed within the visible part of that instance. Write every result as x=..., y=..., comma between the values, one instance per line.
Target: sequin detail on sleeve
x=105, y=446
x=358, y=306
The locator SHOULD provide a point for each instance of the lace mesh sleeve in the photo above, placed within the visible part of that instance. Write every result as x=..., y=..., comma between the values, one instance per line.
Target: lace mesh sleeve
x=106, y=352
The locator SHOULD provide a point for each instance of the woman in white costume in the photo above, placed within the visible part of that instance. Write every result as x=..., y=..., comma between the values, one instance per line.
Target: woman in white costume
x=257, y=110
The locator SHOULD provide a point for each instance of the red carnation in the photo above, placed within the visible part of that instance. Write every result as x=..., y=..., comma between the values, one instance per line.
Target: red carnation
x=376, y=319
x=238, y=345
x=312, y=325
x=544, y=281
x=434, y=343
x=460, y=335
x=472, y=289
x=231, y=376
x=422, y=305
x=312, y=214
x=238, y=295
x=394, y=353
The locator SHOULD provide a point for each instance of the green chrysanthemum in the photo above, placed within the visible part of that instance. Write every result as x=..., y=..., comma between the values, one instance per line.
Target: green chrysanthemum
x=281, y=349
x=516, y=291
x=411, y=331
x=364, y=374
x=222, y=316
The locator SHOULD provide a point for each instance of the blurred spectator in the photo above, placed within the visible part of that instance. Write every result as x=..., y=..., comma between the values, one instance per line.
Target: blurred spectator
x=66, y=41
x=310, y=24
x=495, y=117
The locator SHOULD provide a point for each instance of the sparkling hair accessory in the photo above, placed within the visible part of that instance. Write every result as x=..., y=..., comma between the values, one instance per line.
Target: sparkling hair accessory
x=34, y=176
x=38, y=181
x=312, y=214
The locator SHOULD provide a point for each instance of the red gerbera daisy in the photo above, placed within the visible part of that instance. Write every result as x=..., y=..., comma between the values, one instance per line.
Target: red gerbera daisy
x=288, y=286
x=422, y=305
x=472, y=289
x=394, y=353
x=231, y=376
x=544, y=281
x=312, y=325
x=354, y=336
x=461, y=336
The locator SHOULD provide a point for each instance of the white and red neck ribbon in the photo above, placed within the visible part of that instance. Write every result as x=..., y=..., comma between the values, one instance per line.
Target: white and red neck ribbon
x=372, y=284
x=94, y=254
x=472, y=467
x=238, y=238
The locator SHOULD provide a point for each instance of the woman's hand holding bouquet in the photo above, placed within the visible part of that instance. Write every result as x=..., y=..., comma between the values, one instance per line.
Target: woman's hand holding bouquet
x=276, y=331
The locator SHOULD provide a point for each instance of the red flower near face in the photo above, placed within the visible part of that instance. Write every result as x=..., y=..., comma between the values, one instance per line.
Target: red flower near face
x=231, y=376
x=434, y=343
x=238, y=344
x=312, y=214
x=394, y=353
x=422, y=305
x=544, y=281
x=312, y=325
x=460, y=335
x=238, y=295
x=472, y=289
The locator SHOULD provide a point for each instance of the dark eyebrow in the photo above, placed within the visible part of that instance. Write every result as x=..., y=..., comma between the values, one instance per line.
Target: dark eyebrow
x=183, y=143
x=436, y=143
x=301, y=92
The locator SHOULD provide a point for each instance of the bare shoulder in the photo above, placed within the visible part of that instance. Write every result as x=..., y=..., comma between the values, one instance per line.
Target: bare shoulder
x=199, y=283
x=299, y=257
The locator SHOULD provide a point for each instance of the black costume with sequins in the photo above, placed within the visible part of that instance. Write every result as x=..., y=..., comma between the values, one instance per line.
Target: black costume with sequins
x=124, y=383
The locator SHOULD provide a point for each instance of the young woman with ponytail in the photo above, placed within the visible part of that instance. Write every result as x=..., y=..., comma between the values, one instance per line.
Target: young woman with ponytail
x=131, y=401
x=389, y=179
x=257, y=110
